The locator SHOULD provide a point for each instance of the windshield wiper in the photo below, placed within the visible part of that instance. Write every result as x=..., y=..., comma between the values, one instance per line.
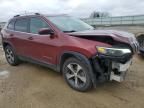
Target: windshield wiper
x=69, y=31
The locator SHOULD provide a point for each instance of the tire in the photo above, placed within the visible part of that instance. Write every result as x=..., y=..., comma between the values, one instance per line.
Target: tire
x=76, y=75
x=10, y=55
x=140, y=40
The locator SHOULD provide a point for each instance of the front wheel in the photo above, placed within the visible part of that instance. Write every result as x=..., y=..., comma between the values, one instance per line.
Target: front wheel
x=77, y=75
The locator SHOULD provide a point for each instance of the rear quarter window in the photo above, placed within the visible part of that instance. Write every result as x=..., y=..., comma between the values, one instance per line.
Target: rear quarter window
x=11, y=25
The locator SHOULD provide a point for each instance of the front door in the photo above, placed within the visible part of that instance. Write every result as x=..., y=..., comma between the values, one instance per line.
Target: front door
x=41, y=47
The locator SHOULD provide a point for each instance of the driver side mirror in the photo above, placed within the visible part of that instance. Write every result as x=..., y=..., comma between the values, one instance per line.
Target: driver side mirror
x=46, y=31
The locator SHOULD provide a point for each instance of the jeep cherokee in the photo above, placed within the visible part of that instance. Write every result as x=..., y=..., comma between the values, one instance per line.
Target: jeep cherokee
x=83, y=55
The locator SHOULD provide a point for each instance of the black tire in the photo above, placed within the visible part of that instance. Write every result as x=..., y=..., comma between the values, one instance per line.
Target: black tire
x=81, y=80
x=11, y=56
x=140, y=40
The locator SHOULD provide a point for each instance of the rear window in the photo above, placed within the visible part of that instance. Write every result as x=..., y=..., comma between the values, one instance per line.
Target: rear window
x=21, y=25
x=11, y=25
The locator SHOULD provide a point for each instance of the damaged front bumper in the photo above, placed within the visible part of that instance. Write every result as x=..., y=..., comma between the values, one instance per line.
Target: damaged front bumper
x=111, y=68
x=119, y=71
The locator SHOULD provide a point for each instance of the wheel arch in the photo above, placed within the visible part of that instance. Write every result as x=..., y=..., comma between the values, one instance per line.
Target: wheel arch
x=80, y=57
x=139, y=35
x=5, y=43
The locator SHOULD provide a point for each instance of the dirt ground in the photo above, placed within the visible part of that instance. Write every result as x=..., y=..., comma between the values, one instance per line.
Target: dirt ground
x=33, y=86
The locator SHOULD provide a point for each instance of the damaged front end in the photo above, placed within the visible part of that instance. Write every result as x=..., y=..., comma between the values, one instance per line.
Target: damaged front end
x=112, y=63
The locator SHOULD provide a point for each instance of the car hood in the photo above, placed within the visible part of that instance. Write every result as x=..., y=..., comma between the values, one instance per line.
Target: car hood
x=116, y=35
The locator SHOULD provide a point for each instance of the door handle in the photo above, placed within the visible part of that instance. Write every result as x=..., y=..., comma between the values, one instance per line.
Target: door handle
x=30, y=38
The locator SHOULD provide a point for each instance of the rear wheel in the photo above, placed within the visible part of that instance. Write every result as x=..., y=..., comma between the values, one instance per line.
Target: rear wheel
x=76, y=75
x=10, y=55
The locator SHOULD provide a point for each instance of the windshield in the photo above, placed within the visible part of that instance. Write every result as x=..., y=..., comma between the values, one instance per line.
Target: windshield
x=69, y=24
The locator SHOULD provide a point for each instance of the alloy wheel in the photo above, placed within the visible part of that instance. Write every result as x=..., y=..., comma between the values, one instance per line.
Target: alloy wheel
x=75, y=75
x=9, y=55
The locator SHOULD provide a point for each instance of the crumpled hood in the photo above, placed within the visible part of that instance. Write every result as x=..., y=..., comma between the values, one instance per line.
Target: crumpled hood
x=116, y=35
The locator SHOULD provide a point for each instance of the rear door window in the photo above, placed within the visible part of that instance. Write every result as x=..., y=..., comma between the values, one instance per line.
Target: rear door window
x=22, y=25
x=36, y=24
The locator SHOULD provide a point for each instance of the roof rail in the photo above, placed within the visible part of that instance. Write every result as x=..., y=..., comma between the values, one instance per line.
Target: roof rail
x=25, y=14
x=37, y=14
x=16, y=15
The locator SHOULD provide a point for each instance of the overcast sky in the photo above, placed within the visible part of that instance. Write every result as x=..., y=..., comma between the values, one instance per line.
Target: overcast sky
x=78, y=8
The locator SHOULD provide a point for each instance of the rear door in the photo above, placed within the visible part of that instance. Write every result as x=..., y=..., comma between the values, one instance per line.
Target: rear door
x=20, y=35
x=16, y=34
x=9, y=33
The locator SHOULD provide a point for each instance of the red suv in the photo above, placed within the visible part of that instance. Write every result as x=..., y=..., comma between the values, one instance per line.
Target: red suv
x=83, y=55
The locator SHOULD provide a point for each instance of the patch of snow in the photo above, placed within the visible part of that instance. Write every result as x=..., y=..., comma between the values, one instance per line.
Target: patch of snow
x=4, y=74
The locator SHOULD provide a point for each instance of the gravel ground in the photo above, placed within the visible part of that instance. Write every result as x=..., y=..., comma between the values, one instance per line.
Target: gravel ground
x=33, y=86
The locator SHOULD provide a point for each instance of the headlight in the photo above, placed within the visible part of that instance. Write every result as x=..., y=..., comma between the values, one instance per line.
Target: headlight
x=113, y=51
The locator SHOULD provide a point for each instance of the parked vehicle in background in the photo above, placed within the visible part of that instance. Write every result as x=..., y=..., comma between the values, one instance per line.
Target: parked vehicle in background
x=65, y=44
